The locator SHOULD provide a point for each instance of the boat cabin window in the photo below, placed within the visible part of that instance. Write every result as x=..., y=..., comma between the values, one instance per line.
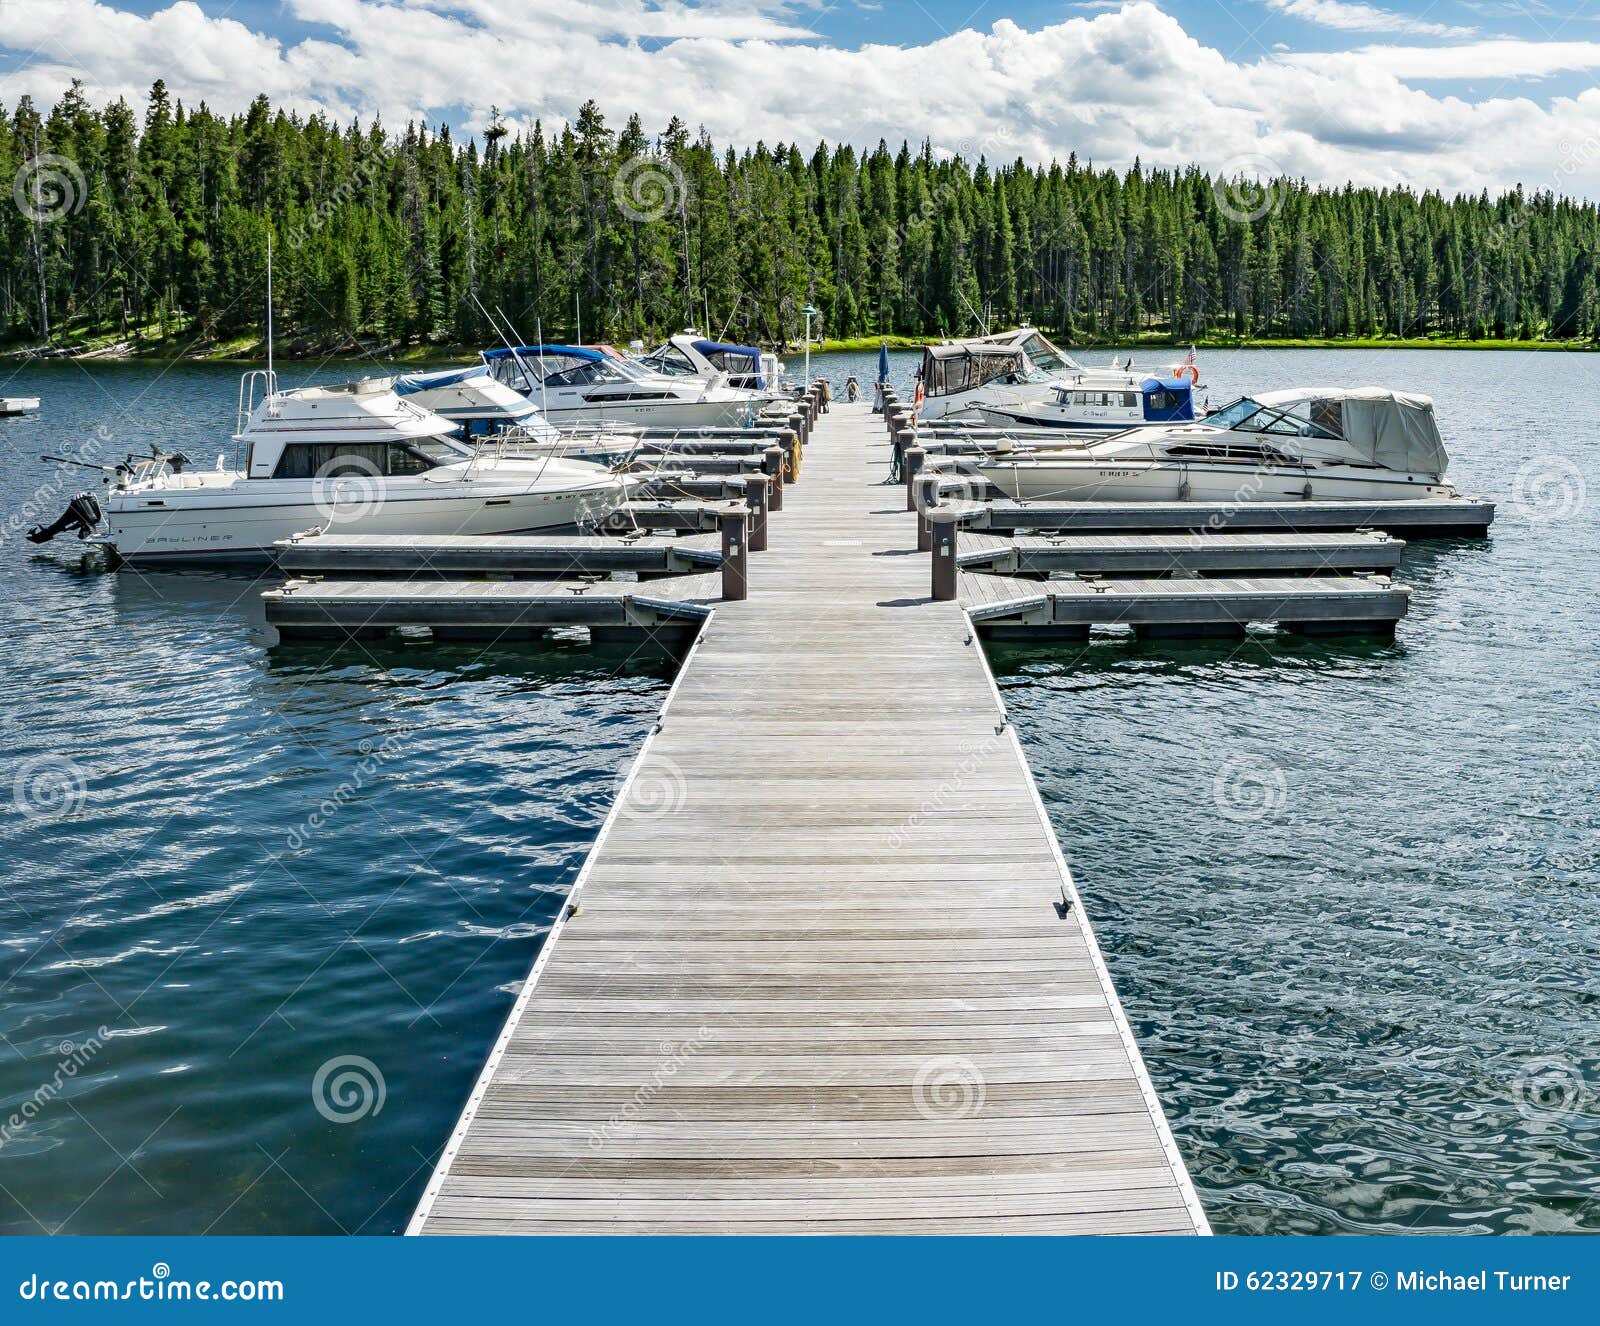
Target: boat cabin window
x=330, y=460
x=1248, y=416
x=1164, y=400
x=1256, y=454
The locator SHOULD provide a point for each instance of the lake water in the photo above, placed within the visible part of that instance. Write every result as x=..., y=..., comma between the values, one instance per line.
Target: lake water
x=1347, y=891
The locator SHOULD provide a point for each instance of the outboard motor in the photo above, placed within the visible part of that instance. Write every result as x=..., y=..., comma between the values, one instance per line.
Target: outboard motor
x=82, y=514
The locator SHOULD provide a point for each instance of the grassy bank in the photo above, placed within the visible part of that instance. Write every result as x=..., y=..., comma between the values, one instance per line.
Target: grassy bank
x=110, y=346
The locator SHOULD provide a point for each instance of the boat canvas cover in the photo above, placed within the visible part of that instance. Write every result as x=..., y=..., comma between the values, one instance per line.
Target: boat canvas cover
x=1391, y=428
x=962, y=365
x=407, y=383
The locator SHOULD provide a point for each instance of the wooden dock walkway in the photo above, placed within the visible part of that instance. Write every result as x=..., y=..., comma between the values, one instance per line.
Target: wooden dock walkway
x=817, y=974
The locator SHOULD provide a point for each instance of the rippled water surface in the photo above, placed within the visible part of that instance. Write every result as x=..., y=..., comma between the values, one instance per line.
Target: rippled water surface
x=246, y=866
x=1347, y=891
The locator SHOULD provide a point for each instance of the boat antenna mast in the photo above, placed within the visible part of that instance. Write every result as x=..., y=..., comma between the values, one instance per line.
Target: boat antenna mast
x=983, y=326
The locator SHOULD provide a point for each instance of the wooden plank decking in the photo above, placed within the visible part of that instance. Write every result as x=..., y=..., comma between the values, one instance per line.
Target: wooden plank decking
x=816, y=976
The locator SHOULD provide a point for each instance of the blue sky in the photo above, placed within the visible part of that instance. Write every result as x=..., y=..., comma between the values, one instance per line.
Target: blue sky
x=1458, y=94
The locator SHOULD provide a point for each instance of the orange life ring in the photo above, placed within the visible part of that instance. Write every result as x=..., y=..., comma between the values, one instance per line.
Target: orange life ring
x=1191, y=372
x=916, y=399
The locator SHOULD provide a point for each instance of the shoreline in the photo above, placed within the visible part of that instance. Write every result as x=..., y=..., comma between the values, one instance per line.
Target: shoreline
x=419, y=356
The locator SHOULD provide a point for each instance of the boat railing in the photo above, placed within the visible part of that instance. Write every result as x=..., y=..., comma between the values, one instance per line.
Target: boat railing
x=267, y=381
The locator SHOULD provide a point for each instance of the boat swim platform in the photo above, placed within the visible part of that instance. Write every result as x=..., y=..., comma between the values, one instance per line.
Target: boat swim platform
x=497, y=555
x=824, y=970
x=1174, y=554
x=1425, y=518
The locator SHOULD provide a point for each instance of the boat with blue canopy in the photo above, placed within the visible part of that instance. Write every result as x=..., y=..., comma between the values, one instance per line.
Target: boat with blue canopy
x=1100, y=407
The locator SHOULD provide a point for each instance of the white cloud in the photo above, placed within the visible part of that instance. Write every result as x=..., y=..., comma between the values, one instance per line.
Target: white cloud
x=1343, y=16
x=1111, y=86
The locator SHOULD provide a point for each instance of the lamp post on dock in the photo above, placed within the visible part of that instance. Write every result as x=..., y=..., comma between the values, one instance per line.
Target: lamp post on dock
x=810, y=313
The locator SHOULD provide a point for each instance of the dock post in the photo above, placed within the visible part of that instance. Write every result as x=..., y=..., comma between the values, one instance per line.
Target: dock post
x=945, y=524
x=903, y=440
x=755, y=497
x=772, y=467
x=914, y=457
x=827, y=393
x=796, y=424
x=735, y=552
x=927, y=499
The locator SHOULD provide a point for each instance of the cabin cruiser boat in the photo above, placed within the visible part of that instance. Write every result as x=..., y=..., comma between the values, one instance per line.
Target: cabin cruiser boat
x=1099, y=409
x=576, y=385
x=689, y=354
x=10, y=405
x=357, y=458
x=1012, y=369
x=1352, y=444
x=489, y=412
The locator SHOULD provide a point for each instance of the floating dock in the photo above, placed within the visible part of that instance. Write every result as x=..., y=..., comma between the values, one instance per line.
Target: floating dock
x=1429, y=518
x=1170, y=554
x=504, y=555
x=824, y=970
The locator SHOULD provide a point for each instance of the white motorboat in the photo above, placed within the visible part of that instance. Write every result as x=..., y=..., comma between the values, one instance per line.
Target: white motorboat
x=11, y=405
x=576, y=385
x=1337, y=443
x=1013, y=369
x=1098, y=409
x=487, y=412
x=356, y=458
x=689, y=354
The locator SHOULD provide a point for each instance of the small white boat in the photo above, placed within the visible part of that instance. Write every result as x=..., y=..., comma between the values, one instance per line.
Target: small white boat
x=689, y=354
x=489, y=413
x=575, y=385
x=1016, y=368
x=12, y=405
x=1103, y=408
x=1352, y=444
x=356, y=458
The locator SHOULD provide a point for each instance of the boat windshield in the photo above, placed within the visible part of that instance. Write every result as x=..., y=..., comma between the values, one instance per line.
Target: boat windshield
x=591, y=372
x=1250, y=416
x=1046, y=358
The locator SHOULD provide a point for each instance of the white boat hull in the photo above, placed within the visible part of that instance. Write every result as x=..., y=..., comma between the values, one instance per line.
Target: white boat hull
x=207, y=527
x=653, y=414
x=1153, y=481
x=19, y=405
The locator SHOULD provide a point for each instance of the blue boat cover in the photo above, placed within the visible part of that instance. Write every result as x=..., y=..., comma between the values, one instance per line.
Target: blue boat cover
x=534, y=351
x=712, y=347
x=1176, y=396
x=407, y=383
